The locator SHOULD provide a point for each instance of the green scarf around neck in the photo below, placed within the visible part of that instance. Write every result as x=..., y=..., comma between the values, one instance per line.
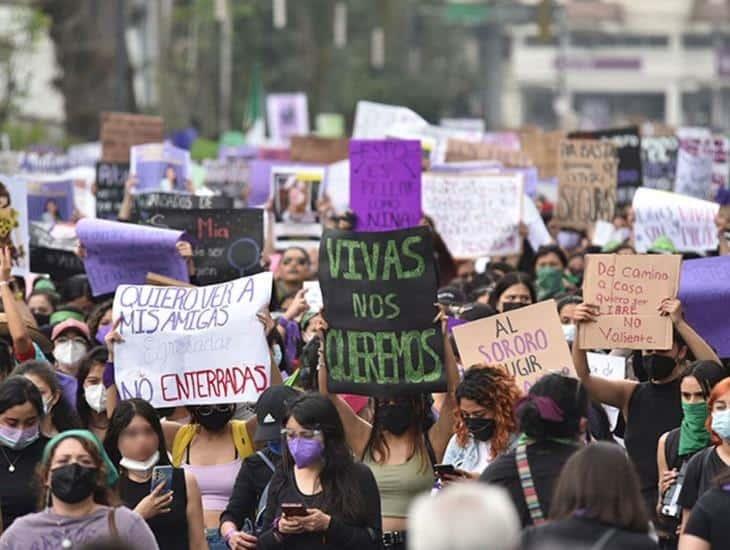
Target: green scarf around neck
x=693, y=435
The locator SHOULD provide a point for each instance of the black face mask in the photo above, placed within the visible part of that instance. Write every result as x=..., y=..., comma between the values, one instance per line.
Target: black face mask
x=658, y=367
x=481, y=428
x=73, y=483
x=42, y=319
x=215, y=421
x=396, y=418
x=511, y=306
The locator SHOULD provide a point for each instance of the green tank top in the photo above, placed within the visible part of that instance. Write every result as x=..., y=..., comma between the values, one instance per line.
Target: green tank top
x=399, y=484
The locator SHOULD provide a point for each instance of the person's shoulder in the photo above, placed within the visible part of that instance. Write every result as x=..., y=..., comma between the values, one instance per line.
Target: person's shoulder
x=124, y=516
x=714, y=499
x=634, y=540
x=698, y=460
x=503, y=467
x=363, y=472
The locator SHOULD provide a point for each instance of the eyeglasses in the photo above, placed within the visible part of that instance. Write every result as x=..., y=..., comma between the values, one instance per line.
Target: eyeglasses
x=304, y=434
x=300, y=261
x=207, y=410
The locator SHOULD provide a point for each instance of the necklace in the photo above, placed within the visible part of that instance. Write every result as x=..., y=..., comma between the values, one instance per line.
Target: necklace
x=11, y=465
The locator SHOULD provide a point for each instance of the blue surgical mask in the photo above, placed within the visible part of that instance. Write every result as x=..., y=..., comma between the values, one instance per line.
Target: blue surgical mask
x=721, y=424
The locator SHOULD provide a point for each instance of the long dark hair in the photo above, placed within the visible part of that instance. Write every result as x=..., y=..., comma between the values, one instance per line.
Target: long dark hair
x=421, y=422
x=94, y=357
x=569, y=396
x=16, y=390
x=94, y=319
x=123, y=415
x=340, y=490
x=599, y=482
x=511, y=279
x=707, y=374
x=63, y=415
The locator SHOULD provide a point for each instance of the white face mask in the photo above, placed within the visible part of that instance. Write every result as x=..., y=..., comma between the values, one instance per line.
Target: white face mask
x=96, y=397
x=569, y=332
x=69, y=352
x=276, y=351
x=139, y=465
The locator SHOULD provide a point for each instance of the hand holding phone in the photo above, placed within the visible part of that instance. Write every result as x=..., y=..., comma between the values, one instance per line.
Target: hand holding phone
x=294, y=509
x=161, y=474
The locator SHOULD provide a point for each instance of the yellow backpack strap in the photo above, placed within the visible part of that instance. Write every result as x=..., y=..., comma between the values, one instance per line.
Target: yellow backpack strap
x=241, y=439
x=183, y=437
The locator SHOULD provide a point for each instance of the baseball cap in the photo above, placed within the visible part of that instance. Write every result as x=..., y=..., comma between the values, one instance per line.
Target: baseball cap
x=271, y=410
x=68, y=324
x=450, y=296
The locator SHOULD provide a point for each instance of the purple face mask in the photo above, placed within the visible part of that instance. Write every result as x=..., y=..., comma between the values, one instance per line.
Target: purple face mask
x=102, y=332
x=17, y=438
x=305, y=451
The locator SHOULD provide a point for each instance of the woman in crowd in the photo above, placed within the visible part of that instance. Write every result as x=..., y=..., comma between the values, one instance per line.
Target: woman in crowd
x=77, y=475
x=294, y=269
x=550, y=265
x=678, y=446
x=485, y=421
x=71, y=342
x=243, y=517
x=553, y=421
x=596, y=504
x=320, y=497
x=566, y=308
x=708, y=526
x=706, y=465
x=91, y=398
x=135, y=444
x=650, y=408
x=58, y=415
x=21, y=447
x=100, y=321
x=401, y=446
x=42, y=304
x=513, y=291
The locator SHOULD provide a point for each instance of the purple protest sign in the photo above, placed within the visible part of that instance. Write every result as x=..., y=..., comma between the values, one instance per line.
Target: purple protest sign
x=160, y=167
x=123, y=253
x=287, y=115
x=705, y=297
x=385, y=184
x=50, y=201
x=259, y=185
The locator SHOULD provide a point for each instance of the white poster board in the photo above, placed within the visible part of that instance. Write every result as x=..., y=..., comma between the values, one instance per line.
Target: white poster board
x=476, y=215
x=612, y=367
x=373, y=120
x=193, y=346
x=14, y=222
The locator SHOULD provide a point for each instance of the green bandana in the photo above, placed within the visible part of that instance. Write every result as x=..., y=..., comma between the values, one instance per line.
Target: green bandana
x=693, y=435
x=549, y=282
x=112, y=476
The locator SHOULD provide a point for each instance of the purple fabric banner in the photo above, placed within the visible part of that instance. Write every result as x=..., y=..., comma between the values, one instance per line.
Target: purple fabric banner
x=385, y=184
x=123, y=253
x=705, y=296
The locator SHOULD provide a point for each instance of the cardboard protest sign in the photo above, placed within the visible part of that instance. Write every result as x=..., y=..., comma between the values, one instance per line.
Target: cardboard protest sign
x=123, y=253
x=120, y=131
x=319, y=150
x=110, y=179
x=542, y=149
x=376, y=289
x=527, y=342
x=689, y=223
x=14, y=230
x=160, y=167
x=147, y=205
x=50, y=200
x=695, y=162
x=705, y=296
x=586, y=183
x=476, y=215
x=373, y=120
x=193, y=346
x=61, y=264
x=296, y=190
x=287, y=115
x=227, y=243
x=659, y=161
x=385, y=184
x=462, y=151
x=628, y=289
x=628, y=145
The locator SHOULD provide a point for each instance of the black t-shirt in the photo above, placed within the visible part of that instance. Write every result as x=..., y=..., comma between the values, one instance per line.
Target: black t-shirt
x=253, y=477
x=546, y=459
x=19, y=490
x=568, y=533
x=365, y=535
x=170, y=529
x=708, y=520
x=653, y=410
x=701, y=471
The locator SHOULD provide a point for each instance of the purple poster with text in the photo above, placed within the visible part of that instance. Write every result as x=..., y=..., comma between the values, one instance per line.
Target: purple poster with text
x=385, y=184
